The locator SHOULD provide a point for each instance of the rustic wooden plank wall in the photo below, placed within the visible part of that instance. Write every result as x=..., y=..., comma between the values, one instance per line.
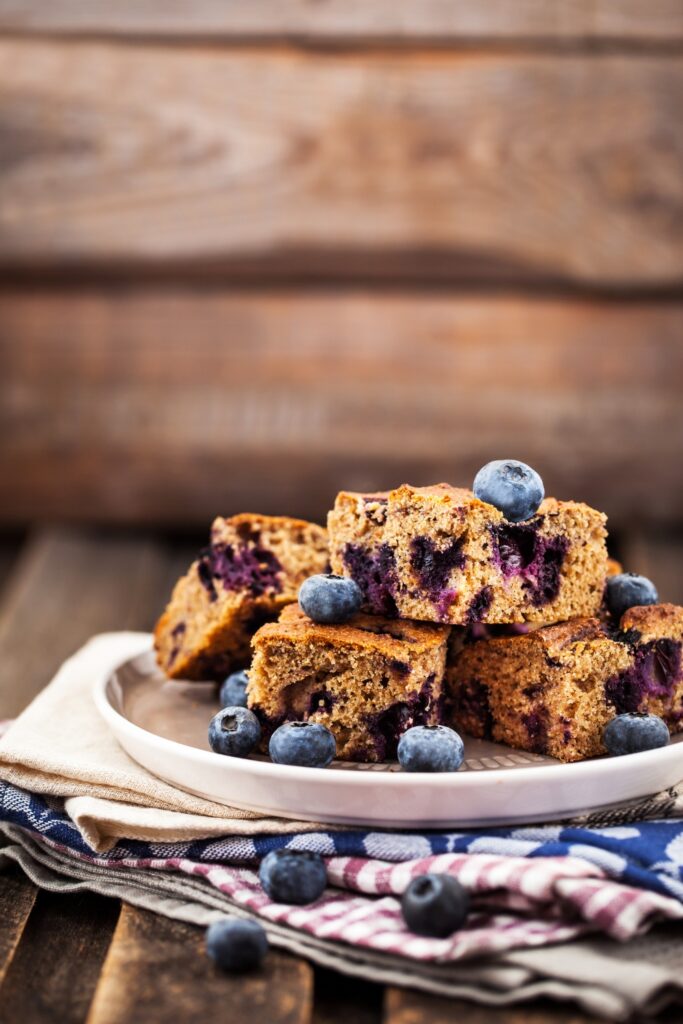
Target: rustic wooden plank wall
x=253, y=252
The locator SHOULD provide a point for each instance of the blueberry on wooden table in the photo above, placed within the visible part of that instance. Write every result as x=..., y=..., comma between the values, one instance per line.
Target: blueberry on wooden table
x=430, y=748
x=236, y=946
x=307, y=744
x=632, y=732
x=293, y=876
x=435, y=905
x=512, y=487
x=234, y=731
x=328, y=598
x=233, y=691
x=628, y=590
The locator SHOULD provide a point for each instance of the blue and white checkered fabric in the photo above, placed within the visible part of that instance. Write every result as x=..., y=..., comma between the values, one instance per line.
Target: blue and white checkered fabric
x=647, y=854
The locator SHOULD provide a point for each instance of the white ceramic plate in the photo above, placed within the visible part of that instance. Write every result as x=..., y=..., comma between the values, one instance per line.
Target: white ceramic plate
x=163, y=725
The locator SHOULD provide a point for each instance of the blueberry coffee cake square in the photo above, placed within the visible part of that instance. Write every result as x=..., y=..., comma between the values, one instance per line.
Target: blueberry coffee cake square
x=252, y=567
x=368, y=680
x=554, y=689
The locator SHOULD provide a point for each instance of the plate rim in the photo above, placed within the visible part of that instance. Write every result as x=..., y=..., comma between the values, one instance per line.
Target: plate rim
x=571, y=772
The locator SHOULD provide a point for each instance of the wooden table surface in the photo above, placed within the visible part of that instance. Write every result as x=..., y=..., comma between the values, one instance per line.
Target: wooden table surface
x=87, y=958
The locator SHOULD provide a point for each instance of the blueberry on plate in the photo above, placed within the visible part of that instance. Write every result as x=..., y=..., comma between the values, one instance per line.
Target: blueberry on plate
x=514, y=488
x=233, y=691
x=234, y=731
x=328, y=598
x=308, y=744
x=293, y=876
x=236, y=945
x=633, y=732
x=430, y=748
x=628, y=590
x=435, y=905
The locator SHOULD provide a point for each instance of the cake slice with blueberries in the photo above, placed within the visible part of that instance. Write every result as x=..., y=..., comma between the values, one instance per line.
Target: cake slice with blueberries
x=252, y=567
x=496, y=554
x=576, y=689
x=367, y=679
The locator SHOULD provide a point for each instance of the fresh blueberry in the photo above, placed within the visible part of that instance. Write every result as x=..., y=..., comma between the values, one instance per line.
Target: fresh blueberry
x=628, y=590
x=233, y=691
x=236, y=945
x=435, y=905
x=330, y=598
x=234, y=731
x=308, y=744
x=514, y=488
x=293, y=876
x=633, y=732
x=430, y=748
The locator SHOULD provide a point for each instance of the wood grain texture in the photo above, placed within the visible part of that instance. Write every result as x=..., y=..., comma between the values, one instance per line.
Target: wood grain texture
x=460, y=167
x=65, y=588
x=131, y=406
x=355, y=20
x=339, y=999
x=54, y=971
x=17, y=897
x=403, y=1006
x=157, y=971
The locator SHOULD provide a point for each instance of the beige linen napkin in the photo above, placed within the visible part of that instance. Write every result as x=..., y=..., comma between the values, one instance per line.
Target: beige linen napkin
x=60, y=746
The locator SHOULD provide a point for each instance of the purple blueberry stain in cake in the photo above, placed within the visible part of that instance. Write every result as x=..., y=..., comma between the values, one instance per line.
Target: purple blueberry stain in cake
x=536, y=725
x=514, y=546
x=445, y=603
x=386, y=727
x=375, y=573
x=551, y=555
x=205, y=575
x=520, y=551
x=655, y=672
x=566, y=729
x=245, y=568
x=176, y=633
x=434, y=567
x=479, y=605
x=472, y=703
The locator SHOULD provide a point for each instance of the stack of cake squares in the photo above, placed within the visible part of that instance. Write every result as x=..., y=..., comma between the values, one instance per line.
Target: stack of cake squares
x=495, y=628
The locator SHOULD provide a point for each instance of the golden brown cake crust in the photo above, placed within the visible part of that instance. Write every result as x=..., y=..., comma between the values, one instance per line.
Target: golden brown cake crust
x=439, y=554
x=364, y=632
x=553, y=690
x=252, y=568
x=367, y=680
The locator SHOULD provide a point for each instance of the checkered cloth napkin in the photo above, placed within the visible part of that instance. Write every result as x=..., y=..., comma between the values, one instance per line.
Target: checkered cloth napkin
x=530, y=886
